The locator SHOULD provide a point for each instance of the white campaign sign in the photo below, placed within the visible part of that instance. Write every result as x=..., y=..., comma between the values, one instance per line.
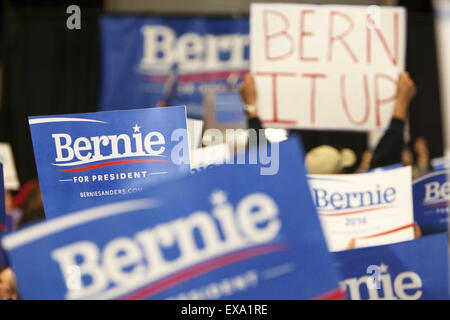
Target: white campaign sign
x=368, y=209
x=195, y=128
x=326, y=66
x=210, y=155
x=9, y=168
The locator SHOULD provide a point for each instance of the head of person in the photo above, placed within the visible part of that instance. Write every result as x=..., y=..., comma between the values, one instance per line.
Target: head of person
x=8, y=289
x=326, y=159
x=29, y=200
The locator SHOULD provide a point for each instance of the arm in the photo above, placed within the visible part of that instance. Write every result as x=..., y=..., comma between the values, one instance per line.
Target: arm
x=423, y=156
x=249, y=96
x=389, y=149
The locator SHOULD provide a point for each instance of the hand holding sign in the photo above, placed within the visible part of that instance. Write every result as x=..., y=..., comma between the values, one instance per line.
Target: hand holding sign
x=406, y=90
x=327, y=67
x=249, y=95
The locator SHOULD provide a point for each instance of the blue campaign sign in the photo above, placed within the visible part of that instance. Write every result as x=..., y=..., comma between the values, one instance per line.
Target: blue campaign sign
x=441, y=163
x=411, y=270
x=431, y=194
x=148, y=60
x=229, y=108
x=224, y=233
x=94, y=158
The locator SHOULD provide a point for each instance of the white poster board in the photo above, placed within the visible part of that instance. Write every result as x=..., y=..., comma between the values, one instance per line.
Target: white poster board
x=329, y=67
x=361, y=210
x=195, y=129
x=442, y=31
x=9, y=168
x=202, y=158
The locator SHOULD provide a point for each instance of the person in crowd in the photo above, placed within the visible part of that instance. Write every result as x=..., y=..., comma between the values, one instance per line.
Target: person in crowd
x=364, y=165
x=8, y=289
x=423, y=165
x=8, y=201
x=326, y=159
x=249, y=96
x=390, y=148
x=28, y=204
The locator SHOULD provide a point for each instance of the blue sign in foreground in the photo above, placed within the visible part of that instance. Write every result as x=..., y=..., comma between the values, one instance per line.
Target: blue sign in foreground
x=84, y=160
x=225, y=233
x=410, y=270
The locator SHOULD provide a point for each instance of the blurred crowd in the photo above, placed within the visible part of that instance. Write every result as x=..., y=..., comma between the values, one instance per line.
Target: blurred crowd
x=26, y=206
x=392, y=149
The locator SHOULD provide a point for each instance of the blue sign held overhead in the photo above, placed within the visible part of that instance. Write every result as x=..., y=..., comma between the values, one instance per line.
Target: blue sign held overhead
x=150, y=60
x=431, y=195
x=93, y=158
x=410, y=270
x=225, y=233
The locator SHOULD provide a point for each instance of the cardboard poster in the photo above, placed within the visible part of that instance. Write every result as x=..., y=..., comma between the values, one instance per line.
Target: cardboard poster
x=11, y=180
x=367, y=209
x=332, y=67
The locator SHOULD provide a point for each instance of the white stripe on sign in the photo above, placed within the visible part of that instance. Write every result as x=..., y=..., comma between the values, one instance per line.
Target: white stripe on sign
x=41, y=230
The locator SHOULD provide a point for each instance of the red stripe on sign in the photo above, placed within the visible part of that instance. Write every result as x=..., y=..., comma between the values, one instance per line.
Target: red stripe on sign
x=439, y=204
x=201, y=269
x=111, y=163
x=210, y=76
x=195, y=77
x=388, y=232
x=336, y=294
x=353, y=212
x=2, y=227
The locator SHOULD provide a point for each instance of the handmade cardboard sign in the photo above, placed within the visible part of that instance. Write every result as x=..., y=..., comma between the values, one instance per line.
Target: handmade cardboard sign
x=367, y=209
x=431, y=195
x=326, y=66
x=410, y=270
x=11, y=180
x=95, y=157
x=225, y=233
